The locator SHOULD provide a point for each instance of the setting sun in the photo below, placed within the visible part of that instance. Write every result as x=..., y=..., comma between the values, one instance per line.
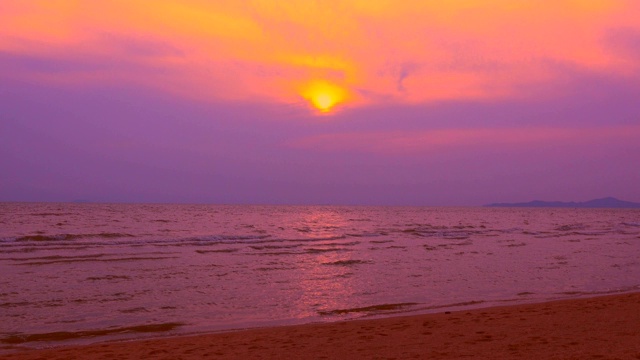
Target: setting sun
x=323, y=101
x=324, y=95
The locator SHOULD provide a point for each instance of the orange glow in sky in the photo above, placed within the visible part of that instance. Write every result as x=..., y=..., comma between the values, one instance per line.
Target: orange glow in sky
x=349, y=53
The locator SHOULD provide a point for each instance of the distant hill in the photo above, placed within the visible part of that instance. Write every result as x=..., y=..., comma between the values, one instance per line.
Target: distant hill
x=607, y=202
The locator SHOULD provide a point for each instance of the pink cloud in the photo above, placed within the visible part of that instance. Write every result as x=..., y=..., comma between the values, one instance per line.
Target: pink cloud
x=403, y=52
x=434, y=141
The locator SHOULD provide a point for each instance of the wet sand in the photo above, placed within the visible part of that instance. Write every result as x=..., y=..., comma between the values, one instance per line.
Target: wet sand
x=606, y=327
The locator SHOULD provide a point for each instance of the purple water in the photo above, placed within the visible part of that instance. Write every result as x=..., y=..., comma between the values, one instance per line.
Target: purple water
x=78, y=273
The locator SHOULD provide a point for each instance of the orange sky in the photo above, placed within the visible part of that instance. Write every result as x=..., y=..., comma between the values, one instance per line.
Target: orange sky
x=344, y=53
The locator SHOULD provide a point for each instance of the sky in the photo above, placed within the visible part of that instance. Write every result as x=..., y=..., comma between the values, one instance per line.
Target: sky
x=357, y=102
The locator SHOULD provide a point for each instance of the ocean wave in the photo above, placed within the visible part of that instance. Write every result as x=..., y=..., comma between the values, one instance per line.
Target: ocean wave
x=71, y=237
x=380, y=241
x=52, y=214
x=217, y=251
x=368, y=309
x=571, y=227
x=275, y=247
x=15, y=339
x=348, y=262
x=108, y=277
x=352, y=243
x=601, y=292
x=31, y=243
x=69, y=260
x=317, y=250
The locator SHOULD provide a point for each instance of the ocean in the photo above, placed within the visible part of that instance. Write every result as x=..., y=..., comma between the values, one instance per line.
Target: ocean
x=83, y=273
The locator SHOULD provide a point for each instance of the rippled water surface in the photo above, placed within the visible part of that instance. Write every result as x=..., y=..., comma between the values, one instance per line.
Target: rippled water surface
x=74, y=273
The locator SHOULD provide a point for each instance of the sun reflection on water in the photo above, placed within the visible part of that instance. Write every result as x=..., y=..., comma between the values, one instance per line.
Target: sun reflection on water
x=323, y=284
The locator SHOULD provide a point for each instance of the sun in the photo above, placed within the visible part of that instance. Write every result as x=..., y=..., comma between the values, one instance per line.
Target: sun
x=324, y=95
x=323, y=101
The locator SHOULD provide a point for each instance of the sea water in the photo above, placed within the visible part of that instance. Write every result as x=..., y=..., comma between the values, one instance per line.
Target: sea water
x=78, y=273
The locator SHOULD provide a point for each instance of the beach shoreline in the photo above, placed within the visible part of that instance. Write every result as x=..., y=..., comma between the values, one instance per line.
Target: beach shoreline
x=603, y=327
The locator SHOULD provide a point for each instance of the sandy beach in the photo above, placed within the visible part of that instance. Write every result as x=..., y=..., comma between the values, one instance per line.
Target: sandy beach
x=606, y=327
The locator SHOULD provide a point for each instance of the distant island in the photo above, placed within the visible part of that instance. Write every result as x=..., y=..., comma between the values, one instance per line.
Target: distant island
x=608, y=202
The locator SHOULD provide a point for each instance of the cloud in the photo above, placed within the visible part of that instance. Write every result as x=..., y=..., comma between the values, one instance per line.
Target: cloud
x=401, y=143
x=124, y=45
x=404, y=52
x=625, y=42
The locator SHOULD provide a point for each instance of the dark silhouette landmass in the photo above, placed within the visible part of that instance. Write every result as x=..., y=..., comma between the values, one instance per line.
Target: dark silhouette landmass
x=608, y=202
